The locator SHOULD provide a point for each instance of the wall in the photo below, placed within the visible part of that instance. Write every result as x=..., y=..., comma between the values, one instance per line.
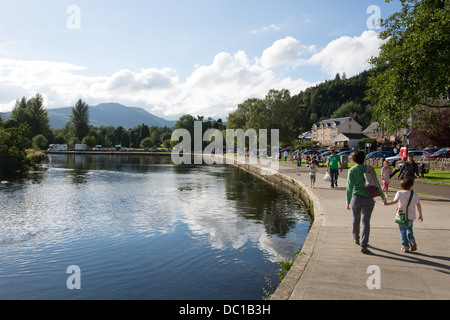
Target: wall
x=435, y=164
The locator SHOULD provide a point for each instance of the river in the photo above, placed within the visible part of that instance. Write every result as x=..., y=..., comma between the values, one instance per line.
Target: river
x=140, y=227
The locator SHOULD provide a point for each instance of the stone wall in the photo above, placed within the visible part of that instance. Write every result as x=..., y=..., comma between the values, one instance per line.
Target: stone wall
x=435, y=164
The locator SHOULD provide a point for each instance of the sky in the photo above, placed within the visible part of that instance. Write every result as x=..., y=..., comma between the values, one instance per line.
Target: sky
x=175, y=57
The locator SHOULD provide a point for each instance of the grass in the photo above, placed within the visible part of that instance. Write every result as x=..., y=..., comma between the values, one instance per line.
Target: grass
x=433, y=177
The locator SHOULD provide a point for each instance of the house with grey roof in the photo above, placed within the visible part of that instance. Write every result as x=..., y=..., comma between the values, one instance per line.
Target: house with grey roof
x=326, y=131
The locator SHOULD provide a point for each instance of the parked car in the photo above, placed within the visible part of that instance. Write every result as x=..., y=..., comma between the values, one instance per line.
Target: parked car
x=431, y=150
x=415, y=153
x=443, y=153
x=309, y=151
x=380, y=154
x=345, y=153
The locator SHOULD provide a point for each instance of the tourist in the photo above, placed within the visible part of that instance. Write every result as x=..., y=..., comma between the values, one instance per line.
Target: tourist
x=334, y=161
x=386, y=171
x=285, y=155
x=406, y=230
x=409, y=170
x=399, y=167
x=312, y=172
x=359, y=201
x=299, y=158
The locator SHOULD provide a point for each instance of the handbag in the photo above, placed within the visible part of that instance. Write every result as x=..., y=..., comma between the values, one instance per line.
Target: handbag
x=371, y=186
x=402, y=212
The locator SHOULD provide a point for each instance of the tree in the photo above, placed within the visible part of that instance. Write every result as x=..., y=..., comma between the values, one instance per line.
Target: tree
x=414, y=62
x=147, y=143
x=13, y=145
x=40, y=141
x=32, y=111
x=80, y=119
x=362, y=115
x=283, y=113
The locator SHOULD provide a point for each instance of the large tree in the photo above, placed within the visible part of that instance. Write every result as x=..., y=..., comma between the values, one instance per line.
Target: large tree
x=32, y=111
x=80, y=119
x=413, y=66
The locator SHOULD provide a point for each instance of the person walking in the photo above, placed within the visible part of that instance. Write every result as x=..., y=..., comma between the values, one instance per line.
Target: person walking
x=403, y=198
x=410, y=169
x=299, y=158
x=359, y=201
x=386, y=171
x=334, y=161
x=312, y=172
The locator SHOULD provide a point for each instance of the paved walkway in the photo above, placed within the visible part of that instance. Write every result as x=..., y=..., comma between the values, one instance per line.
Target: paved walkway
x=332, y=267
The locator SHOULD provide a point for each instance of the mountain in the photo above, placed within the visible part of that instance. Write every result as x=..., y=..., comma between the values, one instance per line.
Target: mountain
x=107, y=114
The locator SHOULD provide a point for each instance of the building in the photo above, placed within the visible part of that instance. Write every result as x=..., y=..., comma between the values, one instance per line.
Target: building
x=305, y=137
x=374, y=131
x=348, y=140
x=326, y=131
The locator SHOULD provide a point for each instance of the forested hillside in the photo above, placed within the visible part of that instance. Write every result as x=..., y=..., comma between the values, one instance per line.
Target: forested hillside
x=293, y=115
x=324, y=101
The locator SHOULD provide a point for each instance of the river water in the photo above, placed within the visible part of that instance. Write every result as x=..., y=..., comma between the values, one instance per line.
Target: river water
x=139, y=227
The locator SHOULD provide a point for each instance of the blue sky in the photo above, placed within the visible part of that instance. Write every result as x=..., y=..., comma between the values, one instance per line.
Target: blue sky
x=176, y=56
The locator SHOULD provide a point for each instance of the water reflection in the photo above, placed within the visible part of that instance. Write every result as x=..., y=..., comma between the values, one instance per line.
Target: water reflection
x=144, y=216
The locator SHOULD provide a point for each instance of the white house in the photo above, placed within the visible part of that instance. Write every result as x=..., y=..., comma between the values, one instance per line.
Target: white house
x=327, y=130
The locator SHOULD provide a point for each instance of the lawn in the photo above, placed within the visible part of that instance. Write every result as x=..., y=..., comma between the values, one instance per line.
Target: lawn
x=433, y=177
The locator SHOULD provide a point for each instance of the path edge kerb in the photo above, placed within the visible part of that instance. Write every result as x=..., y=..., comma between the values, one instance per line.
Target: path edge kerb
x=293, y=186
x=294, y=275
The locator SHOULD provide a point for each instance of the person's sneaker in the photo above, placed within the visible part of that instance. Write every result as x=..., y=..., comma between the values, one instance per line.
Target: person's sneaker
x=365, y=250
x=413, y=247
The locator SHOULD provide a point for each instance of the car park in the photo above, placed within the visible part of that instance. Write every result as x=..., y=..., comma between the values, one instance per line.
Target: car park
x=417, y=154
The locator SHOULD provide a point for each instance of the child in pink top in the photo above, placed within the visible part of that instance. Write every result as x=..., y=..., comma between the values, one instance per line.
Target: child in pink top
x=386, y=171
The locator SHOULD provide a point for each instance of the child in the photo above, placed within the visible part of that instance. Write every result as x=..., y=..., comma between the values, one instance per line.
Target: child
x=406, y=230
x=386, y=176
x=312, y=172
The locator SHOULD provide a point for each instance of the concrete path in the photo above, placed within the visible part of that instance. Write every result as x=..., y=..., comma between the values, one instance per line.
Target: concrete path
x=332, y=267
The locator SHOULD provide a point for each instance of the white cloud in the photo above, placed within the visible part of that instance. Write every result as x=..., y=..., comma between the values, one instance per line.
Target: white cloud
x=272, y=27
x=349, y=54
x=284, y=52
x=211, y=90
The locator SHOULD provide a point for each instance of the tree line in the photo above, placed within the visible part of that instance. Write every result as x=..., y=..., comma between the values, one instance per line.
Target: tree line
x=293, y=115
x=78, y=130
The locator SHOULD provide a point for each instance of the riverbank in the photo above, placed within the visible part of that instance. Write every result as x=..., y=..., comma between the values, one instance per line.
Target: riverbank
x=126, y=153
x=331, y=266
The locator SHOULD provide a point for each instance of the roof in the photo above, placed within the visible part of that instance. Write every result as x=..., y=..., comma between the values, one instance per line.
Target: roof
x=353, y=136
x=373, y=126
x=335, y=120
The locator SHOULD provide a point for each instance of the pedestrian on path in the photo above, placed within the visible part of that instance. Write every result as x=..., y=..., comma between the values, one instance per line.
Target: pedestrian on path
x=359, y=201
x=334, y=161
x=409, y=170
x=386, y=171
x=312, y=172
x=406, y=230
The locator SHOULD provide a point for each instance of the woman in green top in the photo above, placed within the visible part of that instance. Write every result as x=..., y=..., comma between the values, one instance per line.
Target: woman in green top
x=359, y=201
